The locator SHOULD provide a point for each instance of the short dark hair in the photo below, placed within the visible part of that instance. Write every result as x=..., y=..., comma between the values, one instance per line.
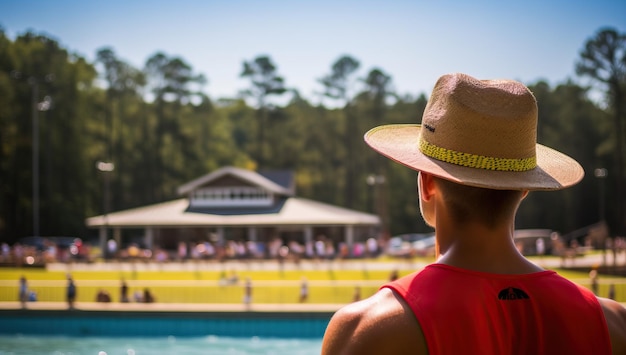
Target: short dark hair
x=469, y=203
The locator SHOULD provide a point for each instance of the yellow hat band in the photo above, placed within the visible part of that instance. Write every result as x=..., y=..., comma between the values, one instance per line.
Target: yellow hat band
x=476, y=161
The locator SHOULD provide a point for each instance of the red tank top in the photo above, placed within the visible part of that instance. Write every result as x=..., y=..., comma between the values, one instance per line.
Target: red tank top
x=468, y=312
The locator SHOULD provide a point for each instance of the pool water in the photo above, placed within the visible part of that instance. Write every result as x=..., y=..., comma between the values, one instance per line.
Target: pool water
x=65, y=345
x=82, y=324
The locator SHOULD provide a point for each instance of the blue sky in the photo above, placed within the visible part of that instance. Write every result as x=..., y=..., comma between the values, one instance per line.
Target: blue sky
x=412, y=41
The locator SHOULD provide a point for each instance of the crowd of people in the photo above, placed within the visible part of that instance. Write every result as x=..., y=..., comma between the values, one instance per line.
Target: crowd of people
x=322, y=248
x=22, y=254
x=33, y=251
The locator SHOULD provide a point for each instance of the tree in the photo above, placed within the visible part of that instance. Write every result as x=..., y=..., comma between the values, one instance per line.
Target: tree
x=377, y=90
x=312, y=137
x=604, y=60
x=32, y=68
x=571, y=123
x=171, y=81
x=403, y=207
x=122, y=127
x=9, y=138
x=224, y=139
x=265, y=82
x=339, y=85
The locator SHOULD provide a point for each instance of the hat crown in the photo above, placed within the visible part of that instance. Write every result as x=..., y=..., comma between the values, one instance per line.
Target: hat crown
x=480, y=133
x=487, y=118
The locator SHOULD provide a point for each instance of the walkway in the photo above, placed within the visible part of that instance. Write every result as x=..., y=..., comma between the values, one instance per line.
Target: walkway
x=177, y=307
x=351, y=264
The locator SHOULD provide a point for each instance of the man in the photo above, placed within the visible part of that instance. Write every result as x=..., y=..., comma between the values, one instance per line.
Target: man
x=70, y=291
x=477, y=158
x=23, y=291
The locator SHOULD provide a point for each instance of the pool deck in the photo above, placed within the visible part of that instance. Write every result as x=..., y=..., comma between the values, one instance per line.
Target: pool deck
x=175, y=307
x=588, y=260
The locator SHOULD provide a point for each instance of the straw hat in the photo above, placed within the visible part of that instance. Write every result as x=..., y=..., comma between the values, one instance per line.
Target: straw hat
x=480, y=133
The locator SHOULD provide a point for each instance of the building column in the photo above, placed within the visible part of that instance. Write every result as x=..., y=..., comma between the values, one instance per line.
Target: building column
x=309, y=244
x=148, y=237
x=102, y=233
x=117, y=235
x=252, y=234
x=308, y=235
x=220, y=236
x=349, y=238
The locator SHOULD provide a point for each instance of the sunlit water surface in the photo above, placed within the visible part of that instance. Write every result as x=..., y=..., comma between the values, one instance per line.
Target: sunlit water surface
x=60, y=345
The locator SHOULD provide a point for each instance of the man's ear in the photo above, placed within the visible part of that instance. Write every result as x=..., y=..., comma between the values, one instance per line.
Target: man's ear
x=426, y=186
x=426, y=191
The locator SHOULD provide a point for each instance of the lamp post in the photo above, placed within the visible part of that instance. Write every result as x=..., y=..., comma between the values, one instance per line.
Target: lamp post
x=35, y=93
x=376, y=181
x=601, y=174
x=105, y=168
x=36, y=106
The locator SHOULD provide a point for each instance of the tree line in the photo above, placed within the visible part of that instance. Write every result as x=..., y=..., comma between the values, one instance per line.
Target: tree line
x=79, y=138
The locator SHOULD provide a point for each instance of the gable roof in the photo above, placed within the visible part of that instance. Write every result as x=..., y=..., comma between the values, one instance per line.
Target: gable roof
x=285, y=210
x=284, y=178
x=295, y=211
x=249, y=176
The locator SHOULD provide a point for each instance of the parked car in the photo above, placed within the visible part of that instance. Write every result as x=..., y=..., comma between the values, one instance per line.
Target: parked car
x=410, y=244
x=39, y=243
x=425, y=246
x=57, y=248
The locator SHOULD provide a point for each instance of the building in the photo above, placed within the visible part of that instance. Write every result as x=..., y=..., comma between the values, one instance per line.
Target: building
x=237, y=204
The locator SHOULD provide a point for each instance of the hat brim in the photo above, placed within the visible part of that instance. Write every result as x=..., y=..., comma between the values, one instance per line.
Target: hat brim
x=554, y=170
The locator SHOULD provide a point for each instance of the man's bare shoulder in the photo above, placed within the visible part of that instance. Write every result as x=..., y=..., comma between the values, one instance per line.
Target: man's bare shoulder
x=381, y=324
x=615, y=315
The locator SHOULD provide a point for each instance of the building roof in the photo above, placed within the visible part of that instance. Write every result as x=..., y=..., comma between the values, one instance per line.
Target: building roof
x=284, y=178
x=294, y=211
x=281, y=207
x=249, y=176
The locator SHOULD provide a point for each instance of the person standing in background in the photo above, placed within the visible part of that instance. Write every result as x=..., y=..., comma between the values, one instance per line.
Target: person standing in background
x=304, y=290
x=357, y=294
x=70, y=292
x=23, y=291
x=247, y=293
x=124, y=292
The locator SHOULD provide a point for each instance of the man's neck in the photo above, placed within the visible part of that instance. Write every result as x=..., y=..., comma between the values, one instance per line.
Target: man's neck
x=477, y=248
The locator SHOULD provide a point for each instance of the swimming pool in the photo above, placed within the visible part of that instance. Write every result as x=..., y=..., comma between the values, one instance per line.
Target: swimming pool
x=212, y=345
x=160, y=332
x=164, y=324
